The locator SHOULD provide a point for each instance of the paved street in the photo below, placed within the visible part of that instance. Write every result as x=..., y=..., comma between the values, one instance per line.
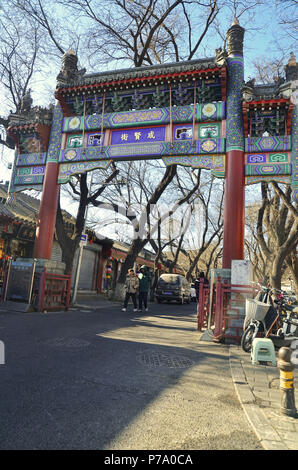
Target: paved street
x=104, y=379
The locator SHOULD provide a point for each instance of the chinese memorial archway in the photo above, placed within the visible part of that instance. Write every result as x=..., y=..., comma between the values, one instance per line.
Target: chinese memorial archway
x=198, y=113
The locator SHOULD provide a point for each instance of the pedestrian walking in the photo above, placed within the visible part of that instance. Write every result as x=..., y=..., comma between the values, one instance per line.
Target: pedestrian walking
x=131, y=286
x=201, y=278
x=144, y=287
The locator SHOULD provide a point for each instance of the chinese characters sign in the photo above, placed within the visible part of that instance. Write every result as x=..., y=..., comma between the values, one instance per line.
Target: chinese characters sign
x=131, y=136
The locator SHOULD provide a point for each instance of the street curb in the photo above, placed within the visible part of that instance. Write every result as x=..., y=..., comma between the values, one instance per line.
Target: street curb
x=269, y=438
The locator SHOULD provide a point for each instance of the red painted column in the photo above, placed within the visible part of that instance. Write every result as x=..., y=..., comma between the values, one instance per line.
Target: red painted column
x=47, y=213
x=233, y=242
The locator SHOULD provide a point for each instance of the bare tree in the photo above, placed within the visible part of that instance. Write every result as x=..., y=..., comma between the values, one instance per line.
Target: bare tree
x=211, y=230
x=292, y=264
x=268, y=70
x=277, y=229
x=141, y=233
x=287, y=9
x=134, y=32
x=145, y=32
x=148, y=207
x=19, y=49
x=252, y=246
x=69, y=244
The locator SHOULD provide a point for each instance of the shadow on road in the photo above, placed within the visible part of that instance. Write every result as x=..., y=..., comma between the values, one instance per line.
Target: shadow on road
x=92, y=380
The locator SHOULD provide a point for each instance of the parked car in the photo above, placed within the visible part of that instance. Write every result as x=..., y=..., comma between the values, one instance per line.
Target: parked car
x=193, y=293
x=173, y=287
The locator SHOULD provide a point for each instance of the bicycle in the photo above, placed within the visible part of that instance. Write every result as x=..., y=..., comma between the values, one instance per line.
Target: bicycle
x=288, y=312
x=260, y=318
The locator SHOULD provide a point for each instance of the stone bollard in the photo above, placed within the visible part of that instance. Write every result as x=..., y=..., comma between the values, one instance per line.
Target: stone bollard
x=286, y=382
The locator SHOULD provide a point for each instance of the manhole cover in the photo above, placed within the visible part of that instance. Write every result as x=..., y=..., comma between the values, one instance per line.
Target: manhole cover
x=68, y=343
x=154, y=359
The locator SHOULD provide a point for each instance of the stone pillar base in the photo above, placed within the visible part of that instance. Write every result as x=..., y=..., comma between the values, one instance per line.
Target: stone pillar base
x=241, y=274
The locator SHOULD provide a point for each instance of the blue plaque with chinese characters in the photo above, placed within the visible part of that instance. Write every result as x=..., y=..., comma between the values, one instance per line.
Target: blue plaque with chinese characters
x=142, y=134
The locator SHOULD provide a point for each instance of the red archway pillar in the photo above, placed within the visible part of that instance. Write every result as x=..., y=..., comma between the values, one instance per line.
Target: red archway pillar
x=234, y=213
x=47, y=213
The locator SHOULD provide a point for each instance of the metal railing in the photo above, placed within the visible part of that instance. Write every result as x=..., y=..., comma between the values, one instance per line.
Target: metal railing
x=48, y=291
x=221, y=307
x=52, y=291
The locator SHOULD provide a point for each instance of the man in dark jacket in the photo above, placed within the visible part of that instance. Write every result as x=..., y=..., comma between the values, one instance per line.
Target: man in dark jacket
x=201, y=278
x=144, y=287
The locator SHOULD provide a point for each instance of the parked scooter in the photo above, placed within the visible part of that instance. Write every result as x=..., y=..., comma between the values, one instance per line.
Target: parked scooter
x=265, y=313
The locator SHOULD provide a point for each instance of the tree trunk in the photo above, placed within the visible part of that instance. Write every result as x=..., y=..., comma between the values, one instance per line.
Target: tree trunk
x=154, y=284
x=69, y=245
x=292, y=263
x=276, y=230
x=276, y=271
x=68, y=255
x=132, y=254
x=139, y=243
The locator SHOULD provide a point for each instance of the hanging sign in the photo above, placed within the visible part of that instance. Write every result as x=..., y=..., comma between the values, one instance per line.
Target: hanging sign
x=83, y=240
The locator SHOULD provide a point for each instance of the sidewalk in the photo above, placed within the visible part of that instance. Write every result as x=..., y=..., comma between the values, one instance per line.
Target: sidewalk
x=257, y=387
x=91, y=302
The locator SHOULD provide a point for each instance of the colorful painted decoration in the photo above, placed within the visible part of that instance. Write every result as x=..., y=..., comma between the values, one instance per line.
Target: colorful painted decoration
x=70, y=154
x=253, y=158
x=208, y=145
x=294, y=155
x=197, y=134
x=56, y=135
x=183, y=132
x=74, y=123
x=215, y=163
x=209, y=110
x=31, y=159
x=34, y=170
x=266, y=169
x=209, y=130
x=261, y=144
x=31, y=144
x=66, y=170
x=234, y=127
x=74, y=141
x=95, y=139
x=258, y=179
x=146, y=117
